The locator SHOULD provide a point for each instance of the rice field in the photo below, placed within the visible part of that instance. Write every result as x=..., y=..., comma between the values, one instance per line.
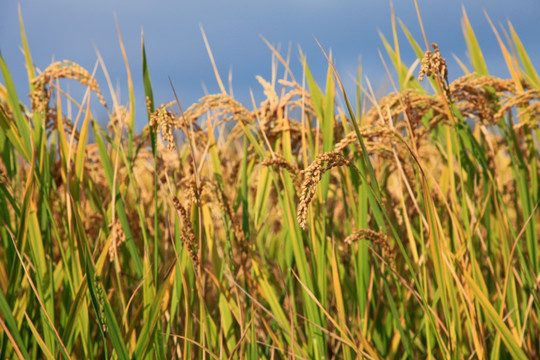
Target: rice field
x=316, y=224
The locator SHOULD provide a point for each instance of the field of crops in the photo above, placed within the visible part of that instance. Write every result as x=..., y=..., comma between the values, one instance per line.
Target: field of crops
x=314, y=224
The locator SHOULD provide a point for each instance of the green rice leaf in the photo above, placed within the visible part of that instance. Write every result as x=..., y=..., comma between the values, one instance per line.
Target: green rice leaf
x=491, y=314
x=530, y=71
x=475, y=52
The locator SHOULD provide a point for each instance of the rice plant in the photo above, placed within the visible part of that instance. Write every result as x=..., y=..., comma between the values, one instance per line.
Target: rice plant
x=405, y=226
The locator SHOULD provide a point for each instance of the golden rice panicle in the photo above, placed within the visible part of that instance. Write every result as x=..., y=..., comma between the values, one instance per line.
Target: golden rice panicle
x=118, y=237
x=118, y=119
x=346, y=141
x=3, y=174
x=149, y=105
x=271, y=96
x=376, y=238
x=187, y=233
x=280, y=162
x=58, y=70
x=312, y=175
x=527, y=104
x=219, y=108
x=433, y=64
x=193, y=192
x=164, y=120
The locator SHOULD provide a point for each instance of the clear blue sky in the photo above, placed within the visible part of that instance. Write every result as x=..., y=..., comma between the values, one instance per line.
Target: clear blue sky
x=72, y=30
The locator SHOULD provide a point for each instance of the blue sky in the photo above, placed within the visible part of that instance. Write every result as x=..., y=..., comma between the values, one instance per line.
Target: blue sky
x=72, y=30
